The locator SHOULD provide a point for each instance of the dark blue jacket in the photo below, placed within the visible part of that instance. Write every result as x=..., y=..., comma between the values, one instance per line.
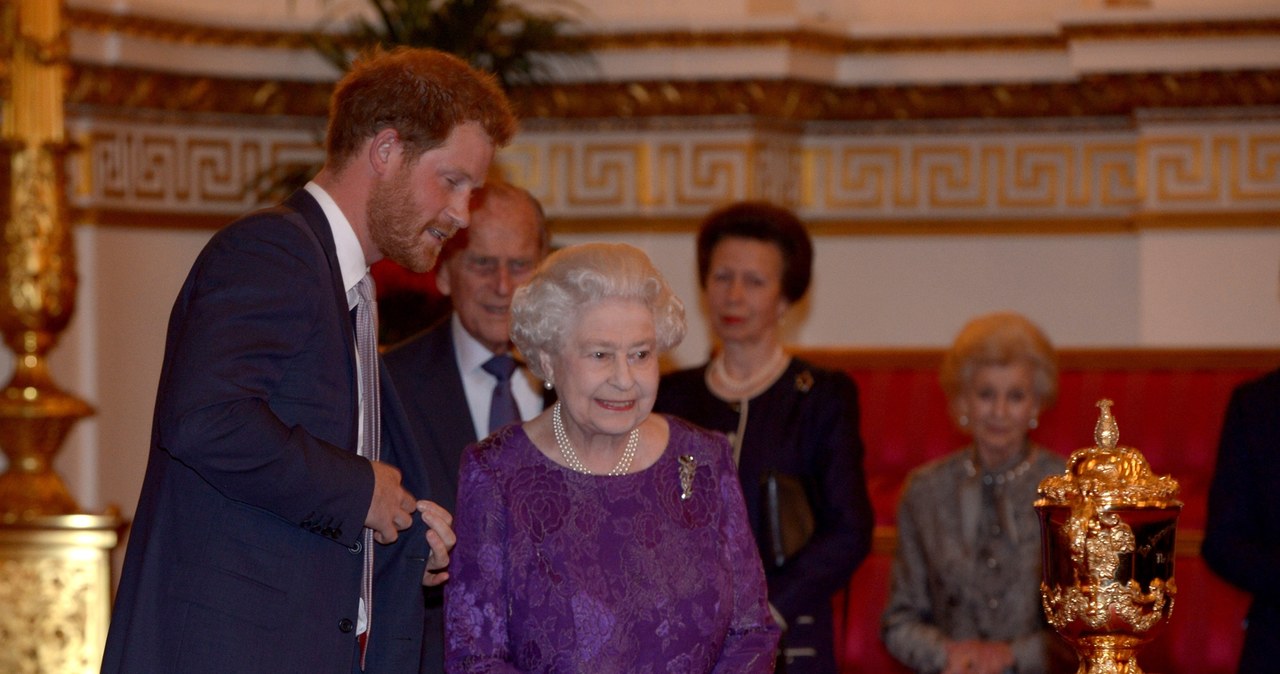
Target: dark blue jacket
x=1242, y=533
x=240, y=558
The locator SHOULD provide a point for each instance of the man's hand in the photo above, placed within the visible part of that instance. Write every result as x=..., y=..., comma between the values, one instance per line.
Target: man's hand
x=391, y=510
x=440, y=539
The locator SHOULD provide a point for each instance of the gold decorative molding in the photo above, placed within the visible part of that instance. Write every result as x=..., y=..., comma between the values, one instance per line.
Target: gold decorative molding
x=1103, y=95
x=119, y=89
x=1002, y=179
x=782, y=100
x=1104, y=152
x=182, y=32
x=168, y=30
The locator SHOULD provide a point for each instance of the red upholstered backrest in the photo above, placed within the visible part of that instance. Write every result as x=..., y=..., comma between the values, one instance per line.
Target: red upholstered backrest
x=1168, y=403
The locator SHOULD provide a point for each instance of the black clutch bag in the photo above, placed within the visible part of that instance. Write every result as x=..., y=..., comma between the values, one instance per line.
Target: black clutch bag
x=788, y=517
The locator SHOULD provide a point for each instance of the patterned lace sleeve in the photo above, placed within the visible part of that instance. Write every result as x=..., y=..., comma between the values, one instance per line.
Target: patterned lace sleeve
x=475, y=596
x=752, y=641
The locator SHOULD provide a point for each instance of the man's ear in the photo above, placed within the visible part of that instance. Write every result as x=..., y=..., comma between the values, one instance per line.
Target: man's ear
x=444, y=280
x=385, y=145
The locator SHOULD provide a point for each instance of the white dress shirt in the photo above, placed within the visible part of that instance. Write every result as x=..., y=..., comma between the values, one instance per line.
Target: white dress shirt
x=478, y=384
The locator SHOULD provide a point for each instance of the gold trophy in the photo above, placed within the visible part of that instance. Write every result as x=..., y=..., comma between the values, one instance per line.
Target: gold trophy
x=1107, y=527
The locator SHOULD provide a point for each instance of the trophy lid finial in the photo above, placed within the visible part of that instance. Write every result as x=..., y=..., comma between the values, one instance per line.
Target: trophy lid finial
x=1108, y=474
x=1106, y=433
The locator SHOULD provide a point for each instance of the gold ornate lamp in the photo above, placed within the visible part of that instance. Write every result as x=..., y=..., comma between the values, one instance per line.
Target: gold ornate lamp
x=37, y=268
x=55, y=562
x=1107, y=527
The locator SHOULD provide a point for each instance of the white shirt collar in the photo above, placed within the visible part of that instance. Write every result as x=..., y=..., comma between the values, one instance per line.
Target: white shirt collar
x=471, y=353
x=350, y=256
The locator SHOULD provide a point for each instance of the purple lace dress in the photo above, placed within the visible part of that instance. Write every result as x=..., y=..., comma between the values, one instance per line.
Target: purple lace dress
x=557, y=571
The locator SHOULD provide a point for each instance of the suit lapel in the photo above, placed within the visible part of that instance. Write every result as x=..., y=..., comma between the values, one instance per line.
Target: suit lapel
x=445, y=395
x=304, y=210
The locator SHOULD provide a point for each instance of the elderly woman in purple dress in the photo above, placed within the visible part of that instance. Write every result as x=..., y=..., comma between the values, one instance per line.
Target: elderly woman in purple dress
x=597, y=536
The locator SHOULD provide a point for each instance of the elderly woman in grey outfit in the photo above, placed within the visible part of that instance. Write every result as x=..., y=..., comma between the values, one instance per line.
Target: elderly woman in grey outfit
x=964, y=595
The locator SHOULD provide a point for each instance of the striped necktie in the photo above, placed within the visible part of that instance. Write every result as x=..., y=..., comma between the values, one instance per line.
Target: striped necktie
x=367, y=350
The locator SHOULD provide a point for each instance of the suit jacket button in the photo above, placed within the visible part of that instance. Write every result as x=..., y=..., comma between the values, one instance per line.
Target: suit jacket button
x=346, y=625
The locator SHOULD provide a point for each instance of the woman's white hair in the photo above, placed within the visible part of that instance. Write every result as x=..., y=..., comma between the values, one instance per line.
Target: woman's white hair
x=571, y=279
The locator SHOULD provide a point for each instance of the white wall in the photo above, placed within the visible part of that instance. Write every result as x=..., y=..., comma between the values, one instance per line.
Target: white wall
x=138, y=273
x=1218, y=288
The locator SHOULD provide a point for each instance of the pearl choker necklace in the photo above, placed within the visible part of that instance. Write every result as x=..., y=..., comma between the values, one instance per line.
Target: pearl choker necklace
x=726, y=388
x=972, y=468
x=571, y=456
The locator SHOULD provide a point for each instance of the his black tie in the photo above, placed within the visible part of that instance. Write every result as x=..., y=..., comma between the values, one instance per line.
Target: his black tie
x=502, y=407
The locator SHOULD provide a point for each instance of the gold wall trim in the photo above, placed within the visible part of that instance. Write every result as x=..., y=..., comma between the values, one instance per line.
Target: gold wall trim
x=1100, y=95
x=200, y=220
x=116, y=89
x=782, y=100
x=1158, y=174
x=136, y=25
x=167, y=30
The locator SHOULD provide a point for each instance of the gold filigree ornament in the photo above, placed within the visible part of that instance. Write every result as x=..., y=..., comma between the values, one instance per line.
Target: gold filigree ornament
x=1107, y=528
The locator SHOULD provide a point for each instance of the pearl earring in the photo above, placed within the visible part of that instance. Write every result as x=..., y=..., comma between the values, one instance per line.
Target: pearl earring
x=1033, y=424
x=963, y=420
x=548, y=385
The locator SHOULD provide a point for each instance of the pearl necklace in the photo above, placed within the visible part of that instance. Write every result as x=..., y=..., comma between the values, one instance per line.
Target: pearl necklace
x=972, y=468
x=725, y=387
x=571, y=456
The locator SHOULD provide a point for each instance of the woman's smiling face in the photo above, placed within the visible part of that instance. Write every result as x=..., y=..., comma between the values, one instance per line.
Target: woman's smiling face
x=606, y=372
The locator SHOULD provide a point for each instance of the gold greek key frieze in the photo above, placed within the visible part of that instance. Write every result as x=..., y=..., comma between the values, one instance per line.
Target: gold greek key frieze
x=1081, y=174
x=182, y=170
x=1233, y=167
x=673, y=173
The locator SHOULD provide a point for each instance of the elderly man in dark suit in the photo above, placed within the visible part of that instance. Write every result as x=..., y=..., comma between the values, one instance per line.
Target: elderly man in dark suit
x=279, y=527
x=458, y=379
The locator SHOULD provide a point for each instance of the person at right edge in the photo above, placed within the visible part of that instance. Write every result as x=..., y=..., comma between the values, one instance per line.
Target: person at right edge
x=1242, y=532
x=964, y=593
x=794, y=427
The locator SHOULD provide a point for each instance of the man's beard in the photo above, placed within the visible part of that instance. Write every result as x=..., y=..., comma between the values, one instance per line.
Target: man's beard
x=394, y=228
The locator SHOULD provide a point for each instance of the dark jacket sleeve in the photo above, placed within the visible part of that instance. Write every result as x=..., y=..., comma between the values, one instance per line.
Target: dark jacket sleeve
x=235, y=391
x=844, y=519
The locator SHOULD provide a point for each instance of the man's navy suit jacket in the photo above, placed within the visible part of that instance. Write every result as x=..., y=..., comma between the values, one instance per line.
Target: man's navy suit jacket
x=425, y=371
x=241, y=557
